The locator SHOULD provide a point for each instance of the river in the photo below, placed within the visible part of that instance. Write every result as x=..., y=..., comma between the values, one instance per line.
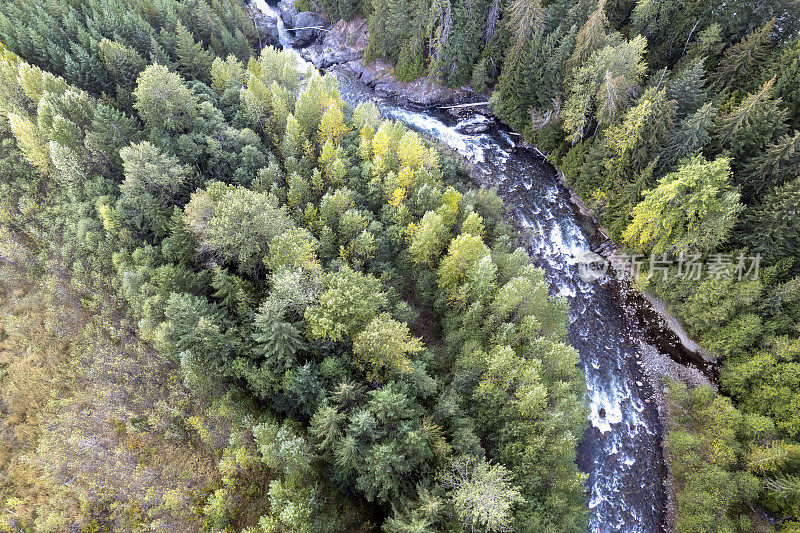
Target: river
x=621, y=450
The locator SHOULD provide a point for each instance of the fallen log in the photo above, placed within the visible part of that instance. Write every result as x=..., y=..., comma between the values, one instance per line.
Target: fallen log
x=464, y=105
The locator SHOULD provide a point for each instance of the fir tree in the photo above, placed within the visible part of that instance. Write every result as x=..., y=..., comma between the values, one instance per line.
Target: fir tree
x=773, y=167
x=691, y=210
x=686, y=88
x=590, y=38
x=751, y=126
x=740, y=65
x=193, y=59
x=690, y=137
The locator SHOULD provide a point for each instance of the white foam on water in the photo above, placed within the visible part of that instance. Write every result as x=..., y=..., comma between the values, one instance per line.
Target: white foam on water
x=284, y=38
x=607, y=402
x=470, y=146
x=473, y=121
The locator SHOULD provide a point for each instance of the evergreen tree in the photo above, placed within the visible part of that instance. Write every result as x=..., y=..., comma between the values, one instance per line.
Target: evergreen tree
x=536, y=86
x=690, y=137
x=691, y=210
x=110, y=131
x=770, y=169
x=590, y=38
x=619, y=66
x=350, y=301
x=153, y=182
x=384, y=347
x=751, y=126
x=163, y=100
x=686, y=88
x=525, y=19
x=787, y=71
x=193, y=59
x=122, y=62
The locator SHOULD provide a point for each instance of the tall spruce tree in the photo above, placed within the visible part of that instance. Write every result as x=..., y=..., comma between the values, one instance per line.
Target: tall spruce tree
x=741, y=64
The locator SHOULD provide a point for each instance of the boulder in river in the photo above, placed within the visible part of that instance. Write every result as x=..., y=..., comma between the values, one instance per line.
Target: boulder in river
x=310, y=26
x=344, y=42
x=267, y=28
x=475, y=124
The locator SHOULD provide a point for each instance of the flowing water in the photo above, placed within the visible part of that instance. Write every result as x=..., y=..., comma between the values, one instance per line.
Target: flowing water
x=621, y=450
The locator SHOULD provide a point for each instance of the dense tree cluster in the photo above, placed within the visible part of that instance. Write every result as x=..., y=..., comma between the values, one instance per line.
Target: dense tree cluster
x=102, y=45
x=394, y=347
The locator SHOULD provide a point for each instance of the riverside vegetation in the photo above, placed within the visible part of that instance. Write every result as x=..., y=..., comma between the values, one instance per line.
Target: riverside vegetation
x=231, y=302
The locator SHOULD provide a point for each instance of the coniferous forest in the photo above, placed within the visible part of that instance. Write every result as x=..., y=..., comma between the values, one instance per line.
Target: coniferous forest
x=230, y=301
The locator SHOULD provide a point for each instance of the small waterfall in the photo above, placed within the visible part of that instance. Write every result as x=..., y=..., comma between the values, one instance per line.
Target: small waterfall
x=284, y=38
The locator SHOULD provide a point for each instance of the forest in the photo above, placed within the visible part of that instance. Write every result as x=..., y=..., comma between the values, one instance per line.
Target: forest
x=229, y=301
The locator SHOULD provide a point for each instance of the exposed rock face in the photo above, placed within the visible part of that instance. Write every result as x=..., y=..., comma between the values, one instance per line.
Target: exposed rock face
x=344, y=45
x=308, y=21
x=422, y=91
x=267, y=28
x=346, y=41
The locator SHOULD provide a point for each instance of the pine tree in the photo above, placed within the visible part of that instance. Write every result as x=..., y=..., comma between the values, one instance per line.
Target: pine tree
x=153, y=182
x=668, y=26
x=640, y=135
x=525, y=18
x=537, y=84
x=459, y=32
x=410, y=61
